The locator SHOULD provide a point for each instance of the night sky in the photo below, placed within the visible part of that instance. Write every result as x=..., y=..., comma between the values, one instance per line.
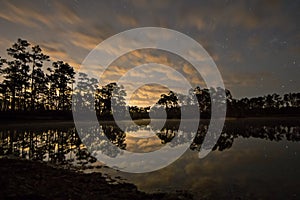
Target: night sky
x=254, y=44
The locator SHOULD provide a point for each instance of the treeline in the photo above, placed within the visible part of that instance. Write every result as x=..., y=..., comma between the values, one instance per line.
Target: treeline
x=31, y=84
x=267, y=105
x=27, y=85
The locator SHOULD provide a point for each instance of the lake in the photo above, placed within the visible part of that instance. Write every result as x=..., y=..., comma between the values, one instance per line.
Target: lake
x=253, y=158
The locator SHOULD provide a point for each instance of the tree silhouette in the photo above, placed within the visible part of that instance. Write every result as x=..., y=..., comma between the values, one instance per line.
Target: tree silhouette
x=26, y=86
x=169, y=100
x=38, y=79
x=2, y=61
x=2, y=87
x=292, y=100
x=104, y=97
x=203, y=98
x=84, y=93
x=171, y=104
x=61, y=80
x=16, y=74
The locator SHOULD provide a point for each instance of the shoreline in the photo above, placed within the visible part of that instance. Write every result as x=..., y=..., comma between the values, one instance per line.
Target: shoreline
x=26, y=179
x=67, y=122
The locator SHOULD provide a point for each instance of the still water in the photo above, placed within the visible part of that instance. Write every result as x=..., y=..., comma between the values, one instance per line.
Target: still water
x=253, y=158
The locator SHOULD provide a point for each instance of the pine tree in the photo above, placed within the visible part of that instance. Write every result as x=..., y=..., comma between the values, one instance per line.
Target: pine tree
x=38, y=78
x=61, y=81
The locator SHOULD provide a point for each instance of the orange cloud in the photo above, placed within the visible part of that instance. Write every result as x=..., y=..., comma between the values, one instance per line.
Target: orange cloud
x=83, y=41
x=32, y=17
x=21, y=15
x=67, y=14
x=127, y=20
x=147, y=95
x=56, y=52
x=141, y=145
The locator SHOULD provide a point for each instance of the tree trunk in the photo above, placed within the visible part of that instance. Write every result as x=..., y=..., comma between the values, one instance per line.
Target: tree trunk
x=32, y=87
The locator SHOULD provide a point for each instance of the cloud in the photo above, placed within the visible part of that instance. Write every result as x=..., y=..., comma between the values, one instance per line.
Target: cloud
x=215, y=15
x=238, y=16
x=56, y=52
x=188, y=69
x=4, y=43
x=241, y=79
x=43, y=22
x=144, y=4
x=147, y=95
x=195, y=20
x=67, y=14
x=82, y=40
x=141, y=145
x=127, y=20
x=22, y=15
x=30, y=15
x=235, y=56
x=175, y=75
x=88, y=39
x=253, y=41
x=243, y=83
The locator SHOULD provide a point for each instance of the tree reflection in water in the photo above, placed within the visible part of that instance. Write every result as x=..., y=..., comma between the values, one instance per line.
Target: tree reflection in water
x=63, y=146
x=60, y=146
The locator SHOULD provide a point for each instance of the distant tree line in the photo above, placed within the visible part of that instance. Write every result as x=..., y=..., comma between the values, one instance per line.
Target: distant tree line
x=27, y=85
x=271, y=104
x=267, y=105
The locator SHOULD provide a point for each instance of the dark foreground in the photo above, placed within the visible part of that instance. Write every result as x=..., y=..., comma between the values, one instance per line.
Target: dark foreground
x=24, y=179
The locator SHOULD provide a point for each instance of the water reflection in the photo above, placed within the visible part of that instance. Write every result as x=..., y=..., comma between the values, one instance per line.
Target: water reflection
x=63, y=146
x=60, y=146
x=231, y=131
